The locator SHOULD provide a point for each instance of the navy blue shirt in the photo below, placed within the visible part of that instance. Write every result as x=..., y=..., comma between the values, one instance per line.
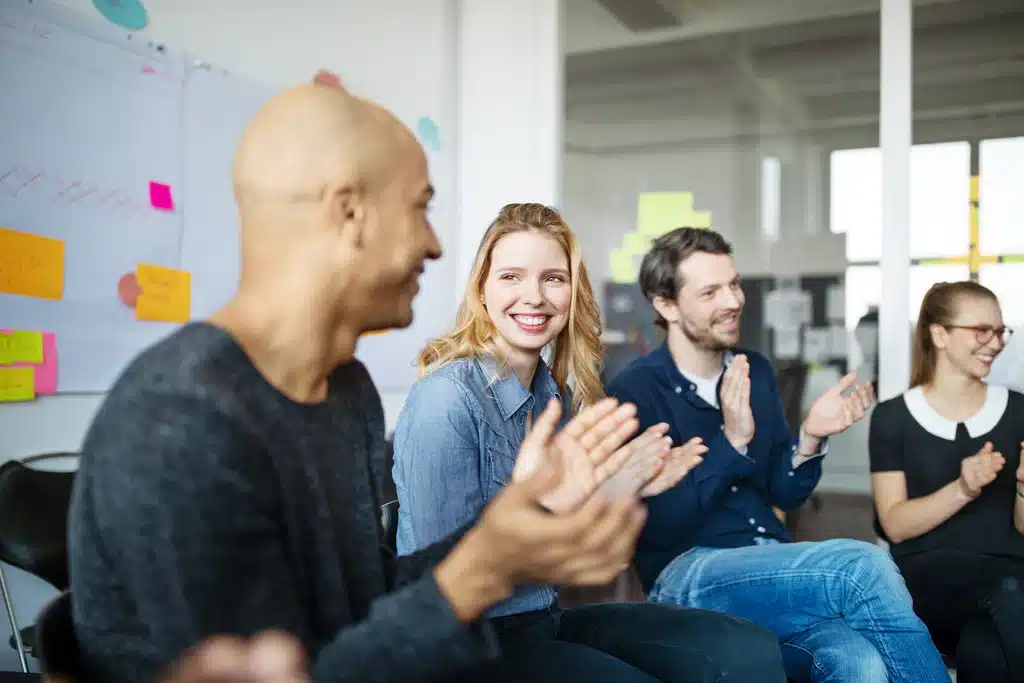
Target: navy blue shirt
x=727, y=500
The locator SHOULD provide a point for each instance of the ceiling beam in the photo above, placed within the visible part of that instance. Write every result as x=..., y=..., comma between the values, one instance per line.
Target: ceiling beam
x=645, y=15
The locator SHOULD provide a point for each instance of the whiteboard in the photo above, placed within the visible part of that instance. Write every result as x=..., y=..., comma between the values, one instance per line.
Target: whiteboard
x=89, y=103
x=90, y=118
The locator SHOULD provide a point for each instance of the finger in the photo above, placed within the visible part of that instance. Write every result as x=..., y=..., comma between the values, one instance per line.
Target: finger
x=744, y=393
x=613, y=442
x=845, y=383
x=589, y=416
x=672, y=474
x=644, y=448
x=728, y=389
x=636, y=474
x=857, y=408
x=221, y=658
x=276, y=657
x=543, y=427
x=589, y=434
x=867, y=395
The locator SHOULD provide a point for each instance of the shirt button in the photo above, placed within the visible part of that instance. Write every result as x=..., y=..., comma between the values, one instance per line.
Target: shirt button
x=693, y=387
x=734, y=489
x=679, y=390
x=722, y=428
x=761, y=530
x=791, y=473
x=752, y=521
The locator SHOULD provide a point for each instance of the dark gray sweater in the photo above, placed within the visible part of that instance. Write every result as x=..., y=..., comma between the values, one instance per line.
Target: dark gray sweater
x=207, y=502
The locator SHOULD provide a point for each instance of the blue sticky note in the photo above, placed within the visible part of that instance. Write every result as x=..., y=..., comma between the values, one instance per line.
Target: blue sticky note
x=129, y=14
x=428, y=133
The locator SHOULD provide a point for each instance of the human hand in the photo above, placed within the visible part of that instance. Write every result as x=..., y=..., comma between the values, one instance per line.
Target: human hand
x=591, y=447
x=980, y=470
x=518, y=541
x=1020, y=469
x=269, y=657
x=835, y=410
x=647, y=459
x=737, y=416
x=678, y=463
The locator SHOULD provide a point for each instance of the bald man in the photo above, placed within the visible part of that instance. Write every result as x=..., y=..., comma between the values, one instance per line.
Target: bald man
x=228, y=482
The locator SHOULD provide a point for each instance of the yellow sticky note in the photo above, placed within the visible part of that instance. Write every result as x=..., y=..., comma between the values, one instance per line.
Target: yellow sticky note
x=636, y=243
x=31, y=265
x=26, y=347
x=661, y=212
x=17, y=384
x=6, y=340
x=623, y=271
x=700, y=219
x=166, y=294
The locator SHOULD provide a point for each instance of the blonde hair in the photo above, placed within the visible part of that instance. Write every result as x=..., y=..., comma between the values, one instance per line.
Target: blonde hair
x=939, y=307
x=577, y=353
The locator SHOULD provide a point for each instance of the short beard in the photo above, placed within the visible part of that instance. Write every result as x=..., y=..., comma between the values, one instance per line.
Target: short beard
x=702, y=339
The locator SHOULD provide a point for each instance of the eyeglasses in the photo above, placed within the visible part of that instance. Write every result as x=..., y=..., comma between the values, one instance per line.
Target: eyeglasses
x=983, y=333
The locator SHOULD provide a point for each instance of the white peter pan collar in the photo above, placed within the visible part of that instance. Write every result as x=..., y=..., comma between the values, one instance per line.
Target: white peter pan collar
x=980, y=423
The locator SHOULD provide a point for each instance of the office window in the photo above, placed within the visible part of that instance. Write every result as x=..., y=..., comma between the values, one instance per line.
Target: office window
x=1001, y=216
x=939, y=201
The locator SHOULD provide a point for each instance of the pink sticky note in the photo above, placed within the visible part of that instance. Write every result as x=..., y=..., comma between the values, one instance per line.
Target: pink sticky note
x=160, y=196
x=46, y=372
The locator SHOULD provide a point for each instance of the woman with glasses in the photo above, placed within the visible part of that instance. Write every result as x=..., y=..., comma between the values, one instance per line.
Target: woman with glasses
x=948, y=485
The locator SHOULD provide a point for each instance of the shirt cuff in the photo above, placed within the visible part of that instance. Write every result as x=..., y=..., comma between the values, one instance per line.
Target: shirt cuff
x=798, y=460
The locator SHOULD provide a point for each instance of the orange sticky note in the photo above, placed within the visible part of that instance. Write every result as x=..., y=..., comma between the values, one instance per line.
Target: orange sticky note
x=166, y=294
x=17, y=384
x=31, y=265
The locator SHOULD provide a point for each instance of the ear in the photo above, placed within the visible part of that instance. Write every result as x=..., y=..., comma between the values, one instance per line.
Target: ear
x=939, y=335
x=666, y=308
x=347, y=212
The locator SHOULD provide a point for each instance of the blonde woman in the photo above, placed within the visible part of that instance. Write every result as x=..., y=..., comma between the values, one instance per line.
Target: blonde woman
x=455, y=445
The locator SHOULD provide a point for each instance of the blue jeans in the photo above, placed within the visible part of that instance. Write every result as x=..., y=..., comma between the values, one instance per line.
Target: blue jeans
x=839, y=608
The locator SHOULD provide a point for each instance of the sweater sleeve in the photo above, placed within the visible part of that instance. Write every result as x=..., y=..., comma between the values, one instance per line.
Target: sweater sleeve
x=182, y=560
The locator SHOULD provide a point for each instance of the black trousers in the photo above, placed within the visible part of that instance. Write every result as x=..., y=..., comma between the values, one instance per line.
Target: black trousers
x=973, y=606
x=632, y=643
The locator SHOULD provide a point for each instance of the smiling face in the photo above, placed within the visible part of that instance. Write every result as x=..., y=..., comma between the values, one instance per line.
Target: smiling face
x=709, y=303
x=973, y=339
x=528, y=291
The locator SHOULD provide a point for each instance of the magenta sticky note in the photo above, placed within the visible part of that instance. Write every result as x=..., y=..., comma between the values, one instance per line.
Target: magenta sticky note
x=160, y=196
x=46, y=372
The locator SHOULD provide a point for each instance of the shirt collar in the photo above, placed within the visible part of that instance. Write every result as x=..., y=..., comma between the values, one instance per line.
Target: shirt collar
x=510, y=394
x=668, y=363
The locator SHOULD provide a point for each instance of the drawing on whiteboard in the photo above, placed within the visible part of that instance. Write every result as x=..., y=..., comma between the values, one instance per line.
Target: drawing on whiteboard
x=21, y=182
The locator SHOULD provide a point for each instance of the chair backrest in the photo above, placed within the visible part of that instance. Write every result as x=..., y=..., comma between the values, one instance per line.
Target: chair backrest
x=33, y=519
x=389, y=520
x=57, y=643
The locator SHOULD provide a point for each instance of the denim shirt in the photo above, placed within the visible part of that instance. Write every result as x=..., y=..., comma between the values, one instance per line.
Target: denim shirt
x=455, y=445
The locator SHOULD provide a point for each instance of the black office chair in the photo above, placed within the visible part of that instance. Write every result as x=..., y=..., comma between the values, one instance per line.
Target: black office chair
x=57, y=643
x=33, y=532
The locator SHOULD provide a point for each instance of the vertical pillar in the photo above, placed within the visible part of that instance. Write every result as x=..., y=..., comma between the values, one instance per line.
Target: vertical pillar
x=895, y=132
x=510, y=113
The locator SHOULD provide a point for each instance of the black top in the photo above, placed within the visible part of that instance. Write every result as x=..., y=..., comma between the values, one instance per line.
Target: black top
x=909, y=436
x=207, y=502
